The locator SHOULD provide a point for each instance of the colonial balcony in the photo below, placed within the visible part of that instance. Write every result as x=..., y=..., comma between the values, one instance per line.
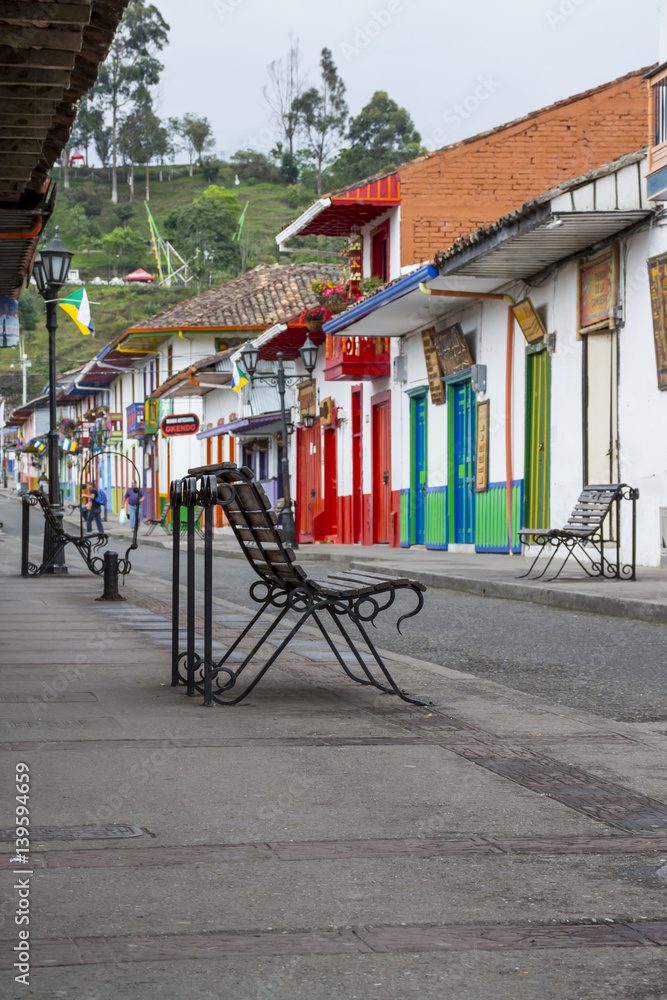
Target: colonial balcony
x=351, y=358
x=136, y=419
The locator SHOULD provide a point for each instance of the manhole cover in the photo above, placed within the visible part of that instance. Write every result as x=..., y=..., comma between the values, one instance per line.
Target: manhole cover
x=75, y=833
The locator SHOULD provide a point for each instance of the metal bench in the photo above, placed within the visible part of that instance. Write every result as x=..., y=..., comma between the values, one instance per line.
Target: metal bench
x=598, y=508
x=338, y=600
x=163, y=522
x=61, y=538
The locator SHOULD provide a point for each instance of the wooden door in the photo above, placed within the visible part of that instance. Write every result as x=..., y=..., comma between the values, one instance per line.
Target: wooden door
x=601, y=431
x=381, y=459
x=330, y=484
x=308, y=473
x=461, y=417
x=537, y=460
x=418, y=468
x=357, y=466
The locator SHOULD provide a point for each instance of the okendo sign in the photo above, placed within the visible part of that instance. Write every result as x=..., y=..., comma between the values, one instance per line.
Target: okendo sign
x=179, y=424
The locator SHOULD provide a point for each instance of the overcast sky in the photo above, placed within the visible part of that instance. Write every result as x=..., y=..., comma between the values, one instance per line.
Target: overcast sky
x=496, y=61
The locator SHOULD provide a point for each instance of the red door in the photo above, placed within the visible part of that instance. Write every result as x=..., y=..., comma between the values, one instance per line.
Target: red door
x=381, y=459
x=329, y=516
x=308, y=475
x=357, y=466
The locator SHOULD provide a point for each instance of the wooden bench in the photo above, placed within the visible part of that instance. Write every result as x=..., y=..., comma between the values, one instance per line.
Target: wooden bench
x=61, y=538
x=333, y=603
x=597, y=510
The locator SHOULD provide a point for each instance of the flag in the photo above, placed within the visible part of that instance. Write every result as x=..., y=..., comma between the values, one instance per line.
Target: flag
x=76, y=306
x=238, y=378
x=20, y=441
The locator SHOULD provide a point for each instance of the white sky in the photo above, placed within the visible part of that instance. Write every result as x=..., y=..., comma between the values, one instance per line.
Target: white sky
x=430, y=55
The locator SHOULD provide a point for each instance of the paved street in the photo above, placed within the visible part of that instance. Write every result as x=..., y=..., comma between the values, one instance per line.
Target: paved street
x=507, y=841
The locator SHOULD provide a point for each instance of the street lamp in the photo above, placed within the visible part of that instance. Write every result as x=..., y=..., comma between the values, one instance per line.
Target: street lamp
x=50, y=271
x=249, y=359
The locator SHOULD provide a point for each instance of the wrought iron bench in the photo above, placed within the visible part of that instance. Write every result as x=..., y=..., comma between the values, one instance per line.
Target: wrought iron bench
x=61, y=538
x=345, y=598
x=597, y=508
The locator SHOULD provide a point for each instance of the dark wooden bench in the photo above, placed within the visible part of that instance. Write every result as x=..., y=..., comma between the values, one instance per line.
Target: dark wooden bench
x=597, y=509
x=61, y=538
x=334, y=603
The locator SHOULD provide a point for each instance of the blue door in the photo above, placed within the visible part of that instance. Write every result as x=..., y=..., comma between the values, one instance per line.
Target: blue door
x=462, y=461
x=418, y=470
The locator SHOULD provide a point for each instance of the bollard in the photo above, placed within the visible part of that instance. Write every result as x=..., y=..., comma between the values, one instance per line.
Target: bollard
x=25, y=536
x=110, y=578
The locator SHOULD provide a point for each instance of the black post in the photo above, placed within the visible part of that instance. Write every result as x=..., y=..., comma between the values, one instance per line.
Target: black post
x=25, y=536
x=289, y=527
x=190, y=500
x=175, y=501
x=58, y=565
x=209, y=497
x=111, y=592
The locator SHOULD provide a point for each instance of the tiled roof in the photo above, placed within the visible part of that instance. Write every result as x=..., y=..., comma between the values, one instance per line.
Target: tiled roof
x=273, y=293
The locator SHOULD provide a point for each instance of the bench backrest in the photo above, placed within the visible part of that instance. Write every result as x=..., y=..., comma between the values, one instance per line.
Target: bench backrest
x=592, y=507
x=49, y=516
x=255, y=524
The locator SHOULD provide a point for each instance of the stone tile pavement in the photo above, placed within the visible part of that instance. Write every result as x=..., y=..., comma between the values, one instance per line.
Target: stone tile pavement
x=319, y=840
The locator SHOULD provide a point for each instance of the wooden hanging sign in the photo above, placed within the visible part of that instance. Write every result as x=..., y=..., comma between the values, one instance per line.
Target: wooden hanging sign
x=657, y=277
x=482, y=459
x=433, y=370
x=452, y=350
x=531, y=325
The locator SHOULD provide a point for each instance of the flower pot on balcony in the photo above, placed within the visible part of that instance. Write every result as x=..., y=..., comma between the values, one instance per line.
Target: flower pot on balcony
x=314, y=325
x=340, y=306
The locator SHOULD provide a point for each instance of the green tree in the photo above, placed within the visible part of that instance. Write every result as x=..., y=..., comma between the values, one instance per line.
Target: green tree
x=194, y=134
x=142, y=137
x=102, y=141
x=382, y=135
x=124, y=213
x=28, y=312
x=321, y=114
x=130, y=68
x=203, y=233
x=127, y=246
x=88, y=122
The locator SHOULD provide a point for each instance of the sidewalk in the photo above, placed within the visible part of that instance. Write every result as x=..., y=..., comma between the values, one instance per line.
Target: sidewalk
x=319, y=841
x=485, y=575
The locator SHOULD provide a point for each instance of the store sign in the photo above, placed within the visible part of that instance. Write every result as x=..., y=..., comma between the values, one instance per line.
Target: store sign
x=327, y=412
x=179, y=425
x=531, y=325
x=598, y=292
x=307, y=400
x=657, y=277
x=433, y=370
x=9, y=322
x=482, y=457
x=452, y=349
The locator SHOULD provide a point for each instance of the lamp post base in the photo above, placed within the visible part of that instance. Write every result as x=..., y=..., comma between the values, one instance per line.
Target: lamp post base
x=59, y=566
x=289, y=527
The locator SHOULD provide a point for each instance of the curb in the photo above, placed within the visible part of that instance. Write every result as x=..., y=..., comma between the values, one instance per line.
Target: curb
x=618, y=607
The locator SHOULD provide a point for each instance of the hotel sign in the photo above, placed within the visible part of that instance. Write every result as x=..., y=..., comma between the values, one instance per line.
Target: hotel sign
x=657, y=277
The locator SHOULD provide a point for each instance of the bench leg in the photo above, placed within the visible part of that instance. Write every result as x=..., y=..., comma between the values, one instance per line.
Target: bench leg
x=534, y=562
x=380, y=662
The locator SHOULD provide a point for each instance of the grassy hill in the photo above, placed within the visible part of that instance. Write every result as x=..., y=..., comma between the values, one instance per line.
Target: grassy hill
x=270, y=208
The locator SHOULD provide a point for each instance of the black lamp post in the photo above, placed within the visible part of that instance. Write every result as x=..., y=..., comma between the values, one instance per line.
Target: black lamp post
x=50, y=272
x=249, y=358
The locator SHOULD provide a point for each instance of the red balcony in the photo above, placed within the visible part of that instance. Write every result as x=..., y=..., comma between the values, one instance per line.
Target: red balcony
x=351, y=358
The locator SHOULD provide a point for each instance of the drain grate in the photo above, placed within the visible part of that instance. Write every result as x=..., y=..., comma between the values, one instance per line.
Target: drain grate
x=75, y=833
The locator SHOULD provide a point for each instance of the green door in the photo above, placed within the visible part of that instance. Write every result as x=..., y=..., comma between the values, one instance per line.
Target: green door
x=538, y=414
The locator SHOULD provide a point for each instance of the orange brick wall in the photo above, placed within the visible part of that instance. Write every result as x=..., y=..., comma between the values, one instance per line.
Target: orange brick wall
x=453, y=191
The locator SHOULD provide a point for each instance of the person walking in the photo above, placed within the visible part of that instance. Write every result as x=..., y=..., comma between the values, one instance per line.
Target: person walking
x=93, y=507
x=133, y=497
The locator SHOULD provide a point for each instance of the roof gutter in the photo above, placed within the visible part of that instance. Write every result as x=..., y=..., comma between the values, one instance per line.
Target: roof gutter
x=389, y=294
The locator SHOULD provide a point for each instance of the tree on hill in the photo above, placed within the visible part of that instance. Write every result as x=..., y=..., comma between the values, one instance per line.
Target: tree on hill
x=195, y=135
x=382, y=135
x=126, y=246
x=203, y=233
x=130, y=66
x=286, y=85
x=321, y=114
x=142, y=138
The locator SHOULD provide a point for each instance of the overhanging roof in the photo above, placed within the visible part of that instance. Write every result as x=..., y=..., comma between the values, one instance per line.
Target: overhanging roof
x=336, y=213
x=565, y=222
